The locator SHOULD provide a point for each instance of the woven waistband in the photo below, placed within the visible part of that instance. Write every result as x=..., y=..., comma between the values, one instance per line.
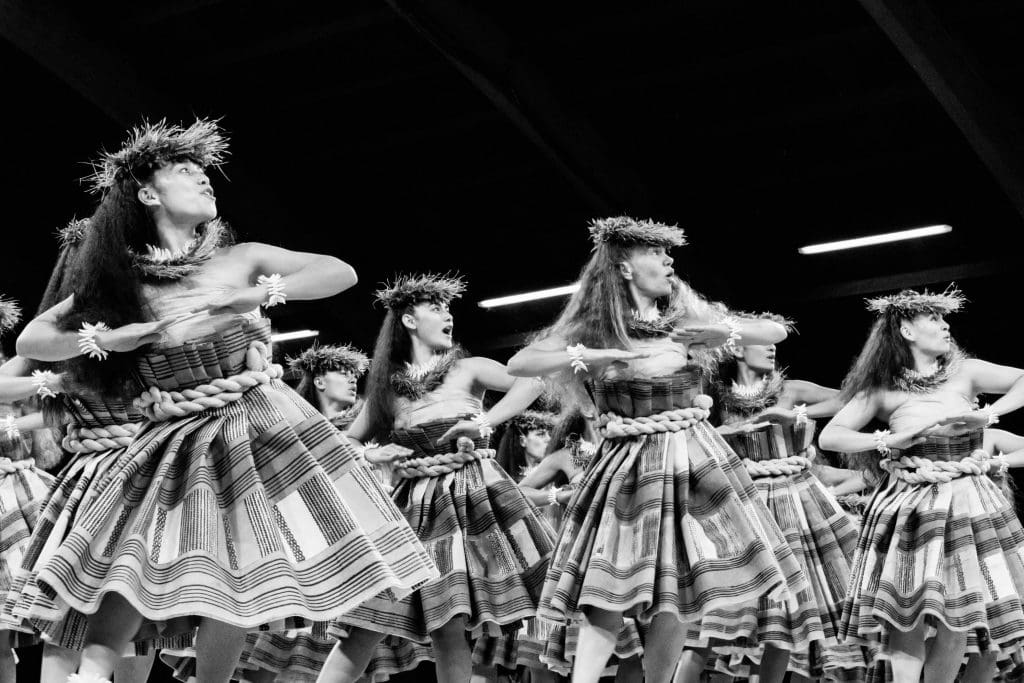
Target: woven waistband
x=776, y=467
x=443, y=463
x=646, y=397
x=422, y=438
x=773, y=441
x=945, y=448
x=98, y=439
x=612, y=426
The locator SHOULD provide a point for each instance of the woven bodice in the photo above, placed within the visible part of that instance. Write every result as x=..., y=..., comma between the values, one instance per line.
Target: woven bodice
x=773, y=441
x=215, y=355
x=96, y=411
x=641, y=397
x=422, y=438
x=948, y=448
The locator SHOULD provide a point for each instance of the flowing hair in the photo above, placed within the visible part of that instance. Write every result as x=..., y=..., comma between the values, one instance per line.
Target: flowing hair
x=390, y=353
x=597, y=315
x=307, y=390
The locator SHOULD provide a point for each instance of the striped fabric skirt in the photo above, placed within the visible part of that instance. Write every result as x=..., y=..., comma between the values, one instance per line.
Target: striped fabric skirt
x=293, y=656
x=823, y=539
x=23, y=487
x=670, y=522
x=250, y=513
x=949, y=553
x=491, y=546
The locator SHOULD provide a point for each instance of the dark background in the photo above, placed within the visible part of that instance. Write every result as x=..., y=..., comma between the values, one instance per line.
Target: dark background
x=481, y=137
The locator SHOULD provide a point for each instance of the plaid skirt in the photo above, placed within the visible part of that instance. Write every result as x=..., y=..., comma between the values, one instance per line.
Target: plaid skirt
x=250, y=513
x=949, y=553
x=21, y=493
x=492, y=547
x=823, y=539
x=670, y=522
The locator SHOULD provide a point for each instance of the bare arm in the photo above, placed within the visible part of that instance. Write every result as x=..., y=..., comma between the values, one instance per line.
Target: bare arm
x=550, y=356
x=759, y=332
x=1007, y=443
x=520, y=392
x=43, y=340
x=989, y=378
x=306, y=276
x=820, y=401
x=15, y=384
x=843, y=434
x=545, y=473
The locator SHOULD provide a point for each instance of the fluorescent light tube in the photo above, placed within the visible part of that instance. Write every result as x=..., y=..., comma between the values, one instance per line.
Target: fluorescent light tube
x=529, y=296
x=294, y=334
x=876, y=239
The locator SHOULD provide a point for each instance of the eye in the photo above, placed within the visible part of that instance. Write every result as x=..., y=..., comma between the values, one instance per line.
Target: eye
x=186, y=170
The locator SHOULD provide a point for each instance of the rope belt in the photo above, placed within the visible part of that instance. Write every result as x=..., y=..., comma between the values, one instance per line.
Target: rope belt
x=917, y=470
x=8, y=466
x=159, y=405
x=443, y=463
x=612, y=426
x=776, y=467
x=98, y=439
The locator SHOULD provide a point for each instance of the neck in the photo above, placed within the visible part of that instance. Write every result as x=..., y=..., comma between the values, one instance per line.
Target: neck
x=174, y=236
x=530, y=460
x=421, y=353
x=747, y=376
x=331, y=408
x=924, y=363
x=646, y=306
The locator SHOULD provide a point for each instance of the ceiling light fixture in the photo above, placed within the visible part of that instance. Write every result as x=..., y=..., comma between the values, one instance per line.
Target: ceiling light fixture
x=876, y=239
x=529, y=296
x=295, y=334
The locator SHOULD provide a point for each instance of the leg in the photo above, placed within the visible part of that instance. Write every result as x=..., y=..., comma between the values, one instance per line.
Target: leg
x=218, y=647
x=691, y=665
x=350, y=656
x=134, y=669
x=663, y=648
x=774, y=662
x=944, y=655
x=452, y=656
x=261, y=676
x=596, y=644
x=980, y=668
x=8, y=669
x=907, y=658
x=58, y=664
x=110, y=630
x=629, y=671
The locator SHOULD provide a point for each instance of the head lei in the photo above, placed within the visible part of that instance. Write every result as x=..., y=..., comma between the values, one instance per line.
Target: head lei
x=154, y=144
x=409, y=290
x=318, y=360
x=530, y=420
x=909, y=304
x=10, y=313
x=629, y=232
x=72, y=233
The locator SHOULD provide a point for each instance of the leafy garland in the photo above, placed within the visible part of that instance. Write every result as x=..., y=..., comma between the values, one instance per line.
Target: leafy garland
x=737, y=400
x=662, y=326
x=913, y=382
x=344, y=419
x=414, y=382
x=164, y=264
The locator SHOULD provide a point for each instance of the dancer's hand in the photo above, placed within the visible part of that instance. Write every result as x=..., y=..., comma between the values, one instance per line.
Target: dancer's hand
x=386, y=454
x=708, y=336
x=974, y=419
x=237, y=300
x=600, y=356
x=467, y=428
x=778, y=414
x=909, y=437
x=132, y=336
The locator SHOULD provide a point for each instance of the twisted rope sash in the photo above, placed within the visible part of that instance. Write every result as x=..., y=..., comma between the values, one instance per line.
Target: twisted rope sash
x=98, y=439
x=8, y=466
x=777, y=467
x=443, y=463
x=918, y=470
x=613, y=426
x=160, y=406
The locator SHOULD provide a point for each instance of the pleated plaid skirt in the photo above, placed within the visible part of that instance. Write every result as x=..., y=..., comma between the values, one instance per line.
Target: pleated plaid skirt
x=249, y=513
x=823, y=540
x=22, y=488
x=949, y=553
x=489, y=542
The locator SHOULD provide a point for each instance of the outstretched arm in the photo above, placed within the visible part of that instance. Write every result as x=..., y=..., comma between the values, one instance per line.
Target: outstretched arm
x=820, y=401
x=545, y=473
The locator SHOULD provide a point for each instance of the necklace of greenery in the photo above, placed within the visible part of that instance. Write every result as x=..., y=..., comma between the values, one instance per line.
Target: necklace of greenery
x=750, y=400
x=167, y=264
x=418, y=379
x=914, y=382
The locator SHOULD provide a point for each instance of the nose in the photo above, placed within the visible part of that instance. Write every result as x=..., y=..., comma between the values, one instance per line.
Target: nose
x=669, y=260
x=771, y=347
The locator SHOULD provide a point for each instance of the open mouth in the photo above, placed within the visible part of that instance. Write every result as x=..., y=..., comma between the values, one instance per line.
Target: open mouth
x=447, y=330
x=209, y=193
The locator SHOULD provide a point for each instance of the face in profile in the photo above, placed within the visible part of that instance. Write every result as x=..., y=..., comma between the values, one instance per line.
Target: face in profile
x=758, y=357
x=650, y=271
x=337, y=386
x=432, y=324
x=535, y=443
x=182, y=190
x=929, y=333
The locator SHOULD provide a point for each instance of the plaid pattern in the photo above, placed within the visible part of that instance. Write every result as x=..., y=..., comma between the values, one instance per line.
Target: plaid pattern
x=75, y=488
x=490, y=543
x=823, y=540
x=950, y=551
x=250, y=513
x=21, y=492
x=668, y=522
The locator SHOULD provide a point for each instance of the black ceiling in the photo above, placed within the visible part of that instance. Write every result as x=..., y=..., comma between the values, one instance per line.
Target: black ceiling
x=759, y=127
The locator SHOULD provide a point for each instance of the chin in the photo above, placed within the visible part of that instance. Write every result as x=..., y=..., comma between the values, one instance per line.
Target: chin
x=443, y=344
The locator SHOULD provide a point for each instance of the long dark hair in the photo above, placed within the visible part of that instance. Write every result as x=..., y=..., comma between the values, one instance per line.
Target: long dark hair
x=307, y=390
x=390, y=353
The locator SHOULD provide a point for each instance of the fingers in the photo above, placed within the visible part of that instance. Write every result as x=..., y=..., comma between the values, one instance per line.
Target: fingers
x=149, y=339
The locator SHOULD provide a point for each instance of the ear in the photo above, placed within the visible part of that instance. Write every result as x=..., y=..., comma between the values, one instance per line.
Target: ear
x=409, y=321
x=907, y=330
x=319, y=383
x=625, y=270
x=147, y=195
x=522, y=441
x=737, y=352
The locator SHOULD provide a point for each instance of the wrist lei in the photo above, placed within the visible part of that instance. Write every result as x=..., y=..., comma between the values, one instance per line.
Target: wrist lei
x=275, y=289
x=484, y=424
x=41, y=379
x=87, y=340
x=576, y=358
x=10, y=428
x=880, y=444
x=801, y=413
x=552, y=496
x=734, y=332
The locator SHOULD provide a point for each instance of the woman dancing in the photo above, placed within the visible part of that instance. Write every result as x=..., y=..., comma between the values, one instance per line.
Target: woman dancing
x=665, y=526
x=490, y=544
x=938, y=570
x=768, y=419
x=237, y=502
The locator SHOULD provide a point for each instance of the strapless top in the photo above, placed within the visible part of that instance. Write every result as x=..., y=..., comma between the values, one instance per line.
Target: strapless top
x=950, y=448
x=640, y=397
x=920, y=409
x=773, y=441
x=439, y=404
x=422, y=438
x=217, y=354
